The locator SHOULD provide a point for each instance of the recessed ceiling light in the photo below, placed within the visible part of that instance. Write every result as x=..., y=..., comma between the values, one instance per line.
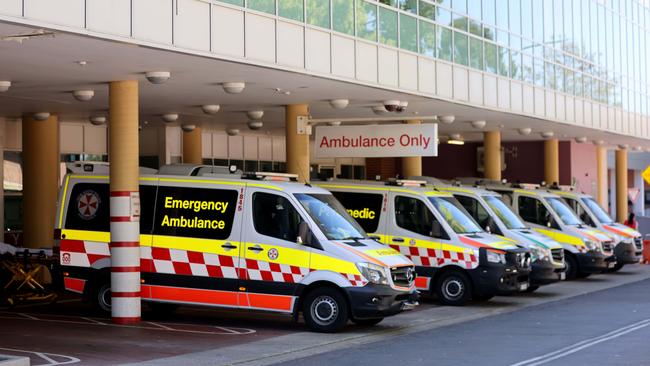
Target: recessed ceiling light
x=232, y=131
x=255, y=114
x=233, y=87
x=334, y=123
x=581, y=139
x=170, y=117
x=525, y=131
x=598, y=142
x=158, y=77
x=210, y=108
x=188, y=128
x=447, y=119
x=255, y=124
x=41, y=116
x=478, y=124
x=4, y=86
x=83, y=95
x=339, y=103
x=97, y=120
x=81, y=62
x=547, y=134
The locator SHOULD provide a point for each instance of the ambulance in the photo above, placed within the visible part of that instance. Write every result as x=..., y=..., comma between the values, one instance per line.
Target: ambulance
x=455, y=259
x=255, y=241
x=488, y=209
x=629, y=247
x=586, y=250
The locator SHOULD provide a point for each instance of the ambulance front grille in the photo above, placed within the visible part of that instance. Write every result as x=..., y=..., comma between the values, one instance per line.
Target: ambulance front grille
x=638, y=243
x=608, y=246
x=403, y=276
x=558, y=254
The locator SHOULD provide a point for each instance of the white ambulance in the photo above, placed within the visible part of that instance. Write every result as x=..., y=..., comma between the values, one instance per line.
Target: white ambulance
x=489, y=210
x=255, y=241
x=586, y=250
x=455, y=259
x=629, y=247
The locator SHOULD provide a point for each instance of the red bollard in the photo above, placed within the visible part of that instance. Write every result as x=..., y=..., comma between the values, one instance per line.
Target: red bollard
x=646, y=252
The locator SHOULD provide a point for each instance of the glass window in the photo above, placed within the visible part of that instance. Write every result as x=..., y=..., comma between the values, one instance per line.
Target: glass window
x=527, y=68
x=505, y=213
x=444, y=16
x=475, y=209
x=504, y=61
x=387, y=27
x=549, y=72
x=476, y=53
x=533, y=210
x=527, y=19
x=367, y=20
x=489, y=33
x=389, y=2
x=234, y=2
x=88, y=208
x=598, y=211
x=267, y=6
x=502, y=13
x=291, y=9
x=538, y=71
x=427, y=38
x=408, y=5
x=365, y=208
x=413, y=215
x=549, y=21
x=275, y=216
x=515, y=65
x=538, y=20
x=459, y=6
x=318, y=13
x=195, y=212
x=490, y=57
x=579, y=210
x=461, y=49
x=445, y=41
x=343, y=16
x=567, y=216
x=474, y=9
x=427, y=10
x=489, y=12
x=475, y=28
x=330, y=216
x=455, y=215
x=460, y=22
x=408, y=33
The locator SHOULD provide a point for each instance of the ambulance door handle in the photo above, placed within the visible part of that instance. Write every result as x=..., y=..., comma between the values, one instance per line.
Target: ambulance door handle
x=398, y=240
x=228, y=246
x=256, y=248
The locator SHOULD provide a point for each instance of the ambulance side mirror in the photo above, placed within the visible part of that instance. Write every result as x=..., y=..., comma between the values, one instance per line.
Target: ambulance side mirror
x=304, y=234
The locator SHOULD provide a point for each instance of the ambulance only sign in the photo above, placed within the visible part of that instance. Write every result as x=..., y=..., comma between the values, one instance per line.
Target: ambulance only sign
x=376, y=141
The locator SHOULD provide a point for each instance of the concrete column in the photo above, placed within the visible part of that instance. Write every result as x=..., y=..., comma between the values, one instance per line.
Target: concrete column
x=193, y=147
x=412, y=165
x=492, y=155
x=124, y=201
x=297, y=145
x=551, y=161
x=601, y=176
x=2, y=176
x=621, y=185
x=612, y=192
x=40, y=180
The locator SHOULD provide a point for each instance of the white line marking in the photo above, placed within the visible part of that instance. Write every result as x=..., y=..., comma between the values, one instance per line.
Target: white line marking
x=92, y=320
x=563, y=352
x=28, y=316
x=45, y=356
x=160, y=325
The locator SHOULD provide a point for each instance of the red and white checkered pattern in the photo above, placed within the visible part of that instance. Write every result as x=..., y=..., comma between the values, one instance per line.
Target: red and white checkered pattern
x=270, y=271
x=186, y=262
x=82, y=253
x=429, y=257
x=191, y=263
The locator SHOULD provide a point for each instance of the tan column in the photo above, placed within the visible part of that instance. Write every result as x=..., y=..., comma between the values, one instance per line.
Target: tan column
x=40, y=180
x=412, y=165
x=601, y=176
x=492, y=155
x=551, y=161
x=621, y=185
x=297, y=145
x=192, y=146
x=123, y=153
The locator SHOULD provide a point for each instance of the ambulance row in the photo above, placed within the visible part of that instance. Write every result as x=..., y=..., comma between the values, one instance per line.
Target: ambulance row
x=333, y=251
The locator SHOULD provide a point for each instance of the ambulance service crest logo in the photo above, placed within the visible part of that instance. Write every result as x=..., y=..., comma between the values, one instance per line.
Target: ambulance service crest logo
x=273, y=254
x=87, y=203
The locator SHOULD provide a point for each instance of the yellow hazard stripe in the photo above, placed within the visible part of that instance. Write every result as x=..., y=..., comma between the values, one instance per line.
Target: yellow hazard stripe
x=98, y=236
x=429, y=244
x=455, y=189
x=63, y=200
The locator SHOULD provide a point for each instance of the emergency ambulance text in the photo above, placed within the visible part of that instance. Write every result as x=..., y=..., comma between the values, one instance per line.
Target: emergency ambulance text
x=196, y=206
x=362, y=214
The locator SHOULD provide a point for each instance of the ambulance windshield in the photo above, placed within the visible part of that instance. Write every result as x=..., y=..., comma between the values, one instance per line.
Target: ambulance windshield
x=598, y=211
x=331, y=217
x=455, y=215
x=505, y=213
x=563, y=210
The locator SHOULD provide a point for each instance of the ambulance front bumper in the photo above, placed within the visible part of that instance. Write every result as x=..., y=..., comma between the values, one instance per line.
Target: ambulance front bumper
x=626, y=253
x=378, y=301
x=545, y=272
x=595, y=262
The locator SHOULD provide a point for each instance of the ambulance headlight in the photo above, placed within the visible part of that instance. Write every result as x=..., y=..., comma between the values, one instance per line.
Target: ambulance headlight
x=540, y=254
x=373, y=273
x=592, y=246
x=493, y=257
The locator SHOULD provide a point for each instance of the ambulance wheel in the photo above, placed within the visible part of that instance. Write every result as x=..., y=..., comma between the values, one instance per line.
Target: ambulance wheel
x=102, y=297
x=325, y=310
x=367, y=322
x=571, y=266
x=453, y=288
x=532, y=288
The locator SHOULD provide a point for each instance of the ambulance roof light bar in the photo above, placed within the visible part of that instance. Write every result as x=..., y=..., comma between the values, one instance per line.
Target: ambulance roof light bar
x=406, y=182
x=270, y=176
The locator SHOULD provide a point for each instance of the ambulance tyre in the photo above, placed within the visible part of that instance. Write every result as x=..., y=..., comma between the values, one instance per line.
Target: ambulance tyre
x=367, y=322
x=571, y=266
x=325, y=310
x=102, y=297
x=453, y=287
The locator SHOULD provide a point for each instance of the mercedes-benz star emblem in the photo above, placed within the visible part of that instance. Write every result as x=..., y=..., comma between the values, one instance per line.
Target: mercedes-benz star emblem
x=410, y=275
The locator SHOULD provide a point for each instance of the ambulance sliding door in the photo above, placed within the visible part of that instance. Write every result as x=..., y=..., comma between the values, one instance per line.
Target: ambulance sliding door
x=148, y=192
x=272, y=261
x=195, y=249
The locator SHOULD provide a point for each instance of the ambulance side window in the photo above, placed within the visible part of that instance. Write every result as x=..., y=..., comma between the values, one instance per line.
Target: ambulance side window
x=413, y=215
x=195, y=212
x=365, y=208
x=147, y=204
x=88, y=207
x=580, y=211
x=532, y=210
x=478, y=212
x=275, y=216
